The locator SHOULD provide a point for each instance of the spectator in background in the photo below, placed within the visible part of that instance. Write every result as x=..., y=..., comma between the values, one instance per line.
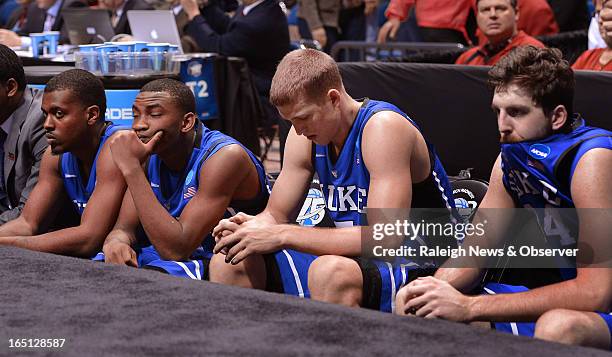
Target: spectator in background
x=258, y=32
x=22, y=137
x=439, y=21
x=353, y=18
x=292, y=21
x=537, y=19
x=497, y=20
x=7, y=7
x=599, y=59
x=595, y=39
x=119, y=9
x=606, y=17
x=41, y=15
x=17, y=19
x=318, y=20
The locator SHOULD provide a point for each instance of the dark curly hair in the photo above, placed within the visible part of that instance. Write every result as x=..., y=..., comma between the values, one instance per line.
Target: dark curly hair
x=180, y=93
x=86, y=87
x=11, y=67
x=541, y=72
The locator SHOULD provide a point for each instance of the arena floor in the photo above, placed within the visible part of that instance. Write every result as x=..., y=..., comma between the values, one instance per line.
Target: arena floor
x=110, y=310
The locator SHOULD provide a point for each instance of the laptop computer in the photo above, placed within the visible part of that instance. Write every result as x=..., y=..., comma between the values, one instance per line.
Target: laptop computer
x=154, y=26
x=87, y=26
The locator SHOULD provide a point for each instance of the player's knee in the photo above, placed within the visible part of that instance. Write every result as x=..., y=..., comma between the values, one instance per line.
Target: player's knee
x=249, y=273
x=224, y=273
x=564, y=326
x=335, y=279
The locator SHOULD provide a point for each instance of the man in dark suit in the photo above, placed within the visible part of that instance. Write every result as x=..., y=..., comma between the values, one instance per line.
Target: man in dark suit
x=42, y=15
x=22, y=140
x=258, y=32
x=119, y=9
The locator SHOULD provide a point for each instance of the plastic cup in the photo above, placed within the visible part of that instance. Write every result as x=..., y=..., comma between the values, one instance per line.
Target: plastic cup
x=90, y=57
x=157, y=54
x=107, y=64
x=38, y=41
x=139, y=46
x=52, y=41
x=124, y=58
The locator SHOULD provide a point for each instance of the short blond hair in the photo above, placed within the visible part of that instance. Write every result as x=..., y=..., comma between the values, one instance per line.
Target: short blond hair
x=304, y=72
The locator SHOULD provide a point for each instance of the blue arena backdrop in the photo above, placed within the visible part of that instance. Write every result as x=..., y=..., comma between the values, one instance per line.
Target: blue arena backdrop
x=196, y=73
x=118, y=104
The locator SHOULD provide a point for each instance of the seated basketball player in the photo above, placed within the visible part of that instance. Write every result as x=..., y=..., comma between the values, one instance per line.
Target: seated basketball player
x=365, y=153
x=549, y=159
x=193, y=178
x=78, y=166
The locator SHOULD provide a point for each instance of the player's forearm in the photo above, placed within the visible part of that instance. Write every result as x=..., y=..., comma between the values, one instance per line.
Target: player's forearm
x=462, y=279
x=73, y=241
x=17, y=227
x=161, y=228
x=322, y=241
x=272, y=217
x=530, y=305
x=121, y=235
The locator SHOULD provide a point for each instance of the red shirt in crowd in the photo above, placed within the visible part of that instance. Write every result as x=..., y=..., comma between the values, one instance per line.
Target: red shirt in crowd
x=536, y=18
x=589, y=60
x=482, y=56
x=439, y=14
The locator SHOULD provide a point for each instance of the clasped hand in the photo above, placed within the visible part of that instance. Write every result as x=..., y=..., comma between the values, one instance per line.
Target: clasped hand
x=242, y=235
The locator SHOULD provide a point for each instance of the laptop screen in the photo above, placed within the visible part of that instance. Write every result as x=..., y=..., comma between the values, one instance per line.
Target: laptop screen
x=86, y=26
x=154, y=26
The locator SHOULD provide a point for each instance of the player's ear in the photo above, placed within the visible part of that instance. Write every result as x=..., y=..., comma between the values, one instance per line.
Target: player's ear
x=93, y=114
x=189, y=121
x=334, y=96
x=12, y=87
x=559, y=117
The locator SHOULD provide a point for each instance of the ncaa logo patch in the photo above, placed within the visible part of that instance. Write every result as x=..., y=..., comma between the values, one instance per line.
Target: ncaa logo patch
x=539, y=151
x=194, y=69
x=313, y=209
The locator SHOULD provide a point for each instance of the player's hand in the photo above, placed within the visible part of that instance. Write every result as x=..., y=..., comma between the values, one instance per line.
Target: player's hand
x=191, y=8
x=389, y=29
x=9, y=38
x=253, y=237
x=605, y=16
x=229, y=225
x=370, y=6
x=129, y=152
x=434, y=298
x=117, y=252
x=401, y=299
x=320, y=36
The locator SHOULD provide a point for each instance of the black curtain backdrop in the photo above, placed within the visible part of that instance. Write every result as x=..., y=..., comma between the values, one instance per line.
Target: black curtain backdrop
x=452, y=105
